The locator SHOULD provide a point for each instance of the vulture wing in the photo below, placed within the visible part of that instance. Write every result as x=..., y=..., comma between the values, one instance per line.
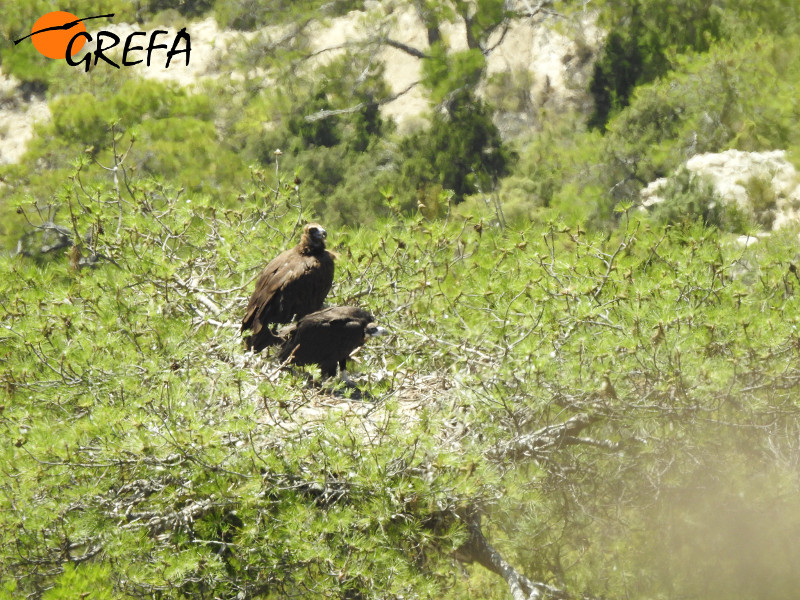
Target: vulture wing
x=291, y=285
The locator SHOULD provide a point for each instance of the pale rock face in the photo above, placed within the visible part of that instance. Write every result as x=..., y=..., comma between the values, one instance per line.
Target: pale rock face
x=650, y=194
x=557, y=64
x=735, y=176
x=17, y=119
x=552, y=67
x=549, y=67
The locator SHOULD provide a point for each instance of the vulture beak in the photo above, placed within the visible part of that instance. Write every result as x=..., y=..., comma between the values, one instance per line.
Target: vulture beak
x=374, y=330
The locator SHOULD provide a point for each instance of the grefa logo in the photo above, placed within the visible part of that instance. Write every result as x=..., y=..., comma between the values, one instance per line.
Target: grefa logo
x=61, y=35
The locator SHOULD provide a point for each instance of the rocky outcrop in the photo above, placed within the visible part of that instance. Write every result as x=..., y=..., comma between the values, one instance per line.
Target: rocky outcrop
x=546, y=68
x=533, y=65
x=764, y=184
x=18, y=116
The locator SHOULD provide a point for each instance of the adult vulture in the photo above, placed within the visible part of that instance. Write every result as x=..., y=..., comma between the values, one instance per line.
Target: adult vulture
x=327, y=337
x=292, y=285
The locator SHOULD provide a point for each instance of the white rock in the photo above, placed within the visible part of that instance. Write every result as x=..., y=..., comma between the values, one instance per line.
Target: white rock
x=731, y=173
x=17, y=119
x=650, y=195
x=745, y=241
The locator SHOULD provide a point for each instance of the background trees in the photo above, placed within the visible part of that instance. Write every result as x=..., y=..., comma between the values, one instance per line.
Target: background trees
x=577, y=400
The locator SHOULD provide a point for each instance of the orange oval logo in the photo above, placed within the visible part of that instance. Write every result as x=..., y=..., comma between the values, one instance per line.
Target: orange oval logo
x=52, y=32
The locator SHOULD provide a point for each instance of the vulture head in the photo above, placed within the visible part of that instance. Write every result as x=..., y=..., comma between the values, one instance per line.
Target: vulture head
x=314, y=237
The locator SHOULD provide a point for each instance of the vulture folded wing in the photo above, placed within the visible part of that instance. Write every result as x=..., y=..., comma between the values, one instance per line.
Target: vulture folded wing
x=269, y=283
x=291, y=286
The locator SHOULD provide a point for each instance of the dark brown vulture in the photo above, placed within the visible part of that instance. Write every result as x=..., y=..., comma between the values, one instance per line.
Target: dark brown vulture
x=327, y=338
x=291, y=286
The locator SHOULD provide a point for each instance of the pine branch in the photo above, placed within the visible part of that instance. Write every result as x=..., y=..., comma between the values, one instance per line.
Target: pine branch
x=546, y=438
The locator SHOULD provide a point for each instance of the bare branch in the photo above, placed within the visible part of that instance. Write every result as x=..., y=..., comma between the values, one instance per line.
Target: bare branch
x=506, y=26
x=324, y=114
x=405, y=48
x=477, y=549
x=532, y=11
x=551, y=436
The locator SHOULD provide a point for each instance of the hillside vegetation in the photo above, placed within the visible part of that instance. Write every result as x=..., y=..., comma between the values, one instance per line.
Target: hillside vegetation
x=617, y=413
x=576, y=399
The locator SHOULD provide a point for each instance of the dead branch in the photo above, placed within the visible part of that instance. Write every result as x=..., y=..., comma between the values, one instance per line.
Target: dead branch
x=405, y=48
x=534, y=444
x=477, y=549
x=324, y=114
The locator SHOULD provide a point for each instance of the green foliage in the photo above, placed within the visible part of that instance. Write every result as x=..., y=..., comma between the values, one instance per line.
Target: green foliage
x=82, y=581
x=705, y=93
x=556, y=174
x=647, y=39
x=641, y=46
x=23, y=61
x=510, y=91
x=174, y=131
x=252, y=14
x=311, y=134
x=627, y=60
x=617, y=408
x=487, y=15
x=762, y=197
x=344, y=187
x=735, y=96
x=186, y=8
x=451, y=73
x=688, y=198
x=141, y=448
x=461, y=151
x=773, y=16
x=329, y=128
x=136, y=379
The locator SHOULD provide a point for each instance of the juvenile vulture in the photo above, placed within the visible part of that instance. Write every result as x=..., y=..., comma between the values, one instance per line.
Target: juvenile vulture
x=328, y=337
x=292, y=285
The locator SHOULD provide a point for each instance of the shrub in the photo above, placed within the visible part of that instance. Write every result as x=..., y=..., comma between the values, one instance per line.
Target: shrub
x=612, y=411
x=461, y=151
x=688, y=198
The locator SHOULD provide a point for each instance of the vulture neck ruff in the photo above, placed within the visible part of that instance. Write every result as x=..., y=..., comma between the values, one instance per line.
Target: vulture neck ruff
x=308, y=247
